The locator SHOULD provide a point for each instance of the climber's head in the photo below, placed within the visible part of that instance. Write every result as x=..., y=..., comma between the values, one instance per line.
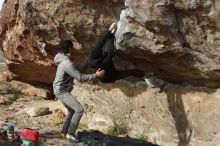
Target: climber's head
x=66, y=45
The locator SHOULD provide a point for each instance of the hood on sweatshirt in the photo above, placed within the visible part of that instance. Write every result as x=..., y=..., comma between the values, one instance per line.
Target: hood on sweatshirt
x=60, y=57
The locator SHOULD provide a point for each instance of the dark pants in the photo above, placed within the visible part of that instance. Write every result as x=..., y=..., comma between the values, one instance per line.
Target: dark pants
x=97, y=59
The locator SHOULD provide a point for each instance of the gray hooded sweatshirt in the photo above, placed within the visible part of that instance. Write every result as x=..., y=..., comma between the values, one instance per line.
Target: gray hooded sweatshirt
x=66, y=72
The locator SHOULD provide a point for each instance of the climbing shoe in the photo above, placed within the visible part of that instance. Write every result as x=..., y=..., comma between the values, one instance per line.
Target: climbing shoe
x=72, y=138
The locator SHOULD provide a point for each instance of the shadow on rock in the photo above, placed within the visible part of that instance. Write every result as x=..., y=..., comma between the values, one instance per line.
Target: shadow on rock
x=176, y=106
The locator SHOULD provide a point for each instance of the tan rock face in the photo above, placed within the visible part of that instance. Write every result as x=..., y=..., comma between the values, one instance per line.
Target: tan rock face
x=177, y=39
x=170, y=116
x=31, y=31
x=58, y=117
x=37, y=111
x=3, y=100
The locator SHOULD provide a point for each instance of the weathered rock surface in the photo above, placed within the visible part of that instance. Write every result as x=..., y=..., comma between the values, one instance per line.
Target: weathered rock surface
x=9, y=86
x=165, y=113
x=36, y=91
x=37, y=111
x=169, y=115
x=3, y=99
x=58, y=117
x=179, y=40
x=176, y=39
x=31, y=31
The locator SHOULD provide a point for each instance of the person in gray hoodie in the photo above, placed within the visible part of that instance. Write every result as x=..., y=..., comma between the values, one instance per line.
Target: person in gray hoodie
x=63, y=85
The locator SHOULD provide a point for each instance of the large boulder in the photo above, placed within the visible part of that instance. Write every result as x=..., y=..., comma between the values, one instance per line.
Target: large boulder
x=169, y=115
x=176, y=39
x=31, y=32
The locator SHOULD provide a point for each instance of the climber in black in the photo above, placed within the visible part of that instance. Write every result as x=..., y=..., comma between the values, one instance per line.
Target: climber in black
x=102, y=58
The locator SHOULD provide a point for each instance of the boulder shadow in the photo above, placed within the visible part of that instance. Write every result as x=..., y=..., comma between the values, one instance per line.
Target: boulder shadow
x=176, y=106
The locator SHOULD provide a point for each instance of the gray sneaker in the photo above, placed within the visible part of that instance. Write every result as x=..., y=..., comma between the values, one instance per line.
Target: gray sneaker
x=72, y=138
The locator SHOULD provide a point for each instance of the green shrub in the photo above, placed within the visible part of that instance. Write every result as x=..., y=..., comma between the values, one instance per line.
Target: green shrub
x=15, y=94
x=141, y=136
x=119, y=127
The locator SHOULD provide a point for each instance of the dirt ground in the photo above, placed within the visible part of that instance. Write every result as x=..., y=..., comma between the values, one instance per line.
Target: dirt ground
x=49, y=132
